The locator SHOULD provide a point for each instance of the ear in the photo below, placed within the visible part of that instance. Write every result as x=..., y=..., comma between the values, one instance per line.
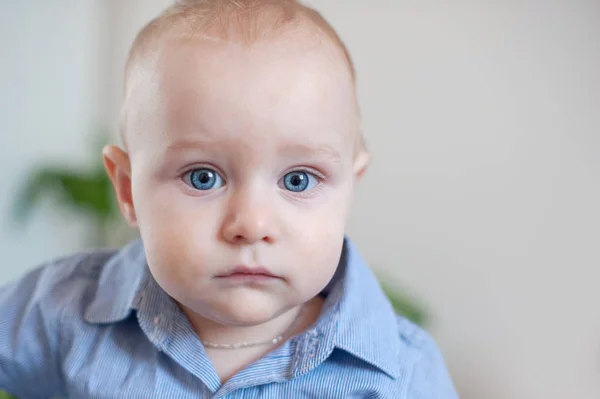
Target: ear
x=361, y=163
x=118, y=168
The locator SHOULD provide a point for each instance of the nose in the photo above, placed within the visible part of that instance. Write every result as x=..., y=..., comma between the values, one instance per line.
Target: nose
x=249, y=220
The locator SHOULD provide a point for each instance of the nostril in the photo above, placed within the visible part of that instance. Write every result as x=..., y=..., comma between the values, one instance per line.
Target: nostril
x=239, y=238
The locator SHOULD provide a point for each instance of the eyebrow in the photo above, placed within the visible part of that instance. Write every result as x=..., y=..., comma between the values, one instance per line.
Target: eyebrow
x=302, y=149
x=291, y=149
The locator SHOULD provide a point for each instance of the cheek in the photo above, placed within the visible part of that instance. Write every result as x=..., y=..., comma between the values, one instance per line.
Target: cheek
x=317, y=261
x=166, y=214
x=176, y=232
x=318, y=239
x=321, y=220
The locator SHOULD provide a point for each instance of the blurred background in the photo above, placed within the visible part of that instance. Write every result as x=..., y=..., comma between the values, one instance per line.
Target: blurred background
x=482, y=201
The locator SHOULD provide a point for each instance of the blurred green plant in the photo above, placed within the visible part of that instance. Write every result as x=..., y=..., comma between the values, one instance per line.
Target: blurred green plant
x=4, y=395
x=89, y=192
x=404, y=305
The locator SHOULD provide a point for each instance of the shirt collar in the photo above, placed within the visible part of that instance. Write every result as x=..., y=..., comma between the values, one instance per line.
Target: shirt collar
x=357, y=316
x=366, y=323
x=119, y=285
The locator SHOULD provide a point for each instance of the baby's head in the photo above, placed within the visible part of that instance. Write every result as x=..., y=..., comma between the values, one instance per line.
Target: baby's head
x=243, y=146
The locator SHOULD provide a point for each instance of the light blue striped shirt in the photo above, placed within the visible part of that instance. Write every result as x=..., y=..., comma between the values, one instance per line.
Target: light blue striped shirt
x=97, y=325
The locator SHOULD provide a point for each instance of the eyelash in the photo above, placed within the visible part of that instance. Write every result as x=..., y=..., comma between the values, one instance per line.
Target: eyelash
x=320, y=177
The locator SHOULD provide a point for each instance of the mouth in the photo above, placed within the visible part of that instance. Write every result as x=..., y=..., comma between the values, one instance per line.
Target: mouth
x=244, y=273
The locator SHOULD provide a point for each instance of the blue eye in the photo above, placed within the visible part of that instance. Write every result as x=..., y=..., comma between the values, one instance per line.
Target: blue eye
x=299, y=181
x=203, y=179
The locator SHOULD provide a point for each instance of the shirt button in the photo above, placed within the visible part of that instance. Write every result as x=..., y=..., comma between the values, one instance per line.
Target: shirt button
x=156, y=320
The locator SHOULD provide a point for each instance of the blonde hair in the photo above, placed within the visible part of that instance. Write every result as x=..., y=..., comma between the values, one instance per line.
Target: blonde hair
x=246, y=21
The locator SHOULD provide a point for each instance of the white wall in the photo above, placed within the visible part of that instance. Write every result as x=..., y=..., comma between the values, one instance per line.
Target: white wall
x=484, y=122
x=483, y=119
x=51, y=91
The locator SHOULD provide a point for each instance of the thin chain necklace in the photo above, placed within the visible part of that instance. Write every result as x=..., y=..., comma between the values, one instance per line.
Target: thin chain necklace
x=241, y=345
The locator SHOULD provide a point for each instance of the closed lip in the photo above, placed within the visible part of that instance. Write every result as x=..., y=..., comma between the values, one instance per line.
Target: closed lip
x=247, y=271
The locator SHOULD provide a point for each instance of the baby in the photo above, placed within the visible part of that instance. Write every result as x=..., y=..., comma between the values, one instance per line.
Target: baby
x=242, y=149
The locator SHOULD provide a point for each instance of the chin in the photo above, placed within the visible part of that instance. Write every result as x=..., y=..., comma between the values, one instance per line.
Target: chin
x=248, y=312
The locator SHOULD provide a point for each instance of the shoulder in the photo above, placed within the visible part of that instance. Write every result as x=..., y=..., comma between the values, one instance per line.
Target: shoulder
x=63, y=285
x=32, y=315
x=427, y=375
x=414, y=337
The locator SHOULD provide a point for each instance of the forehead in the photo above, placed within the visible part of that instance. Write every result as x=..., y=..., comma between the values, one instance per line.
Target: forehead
x=269, y=91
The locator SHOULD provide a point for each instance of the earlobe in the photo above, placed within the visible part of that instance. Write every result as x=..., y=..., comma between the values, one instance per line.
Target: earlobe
x=361, y=163
x=118, y=168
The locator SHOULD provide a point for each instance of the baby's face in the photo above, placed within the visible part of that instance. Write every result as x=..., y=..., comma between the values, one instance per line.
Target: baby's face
x=244, y=157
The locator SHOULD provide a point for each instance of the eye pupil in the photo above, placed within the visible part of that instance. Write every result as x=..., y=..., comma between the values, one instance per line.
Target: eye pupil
x=204, y=177
x=296, y=180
